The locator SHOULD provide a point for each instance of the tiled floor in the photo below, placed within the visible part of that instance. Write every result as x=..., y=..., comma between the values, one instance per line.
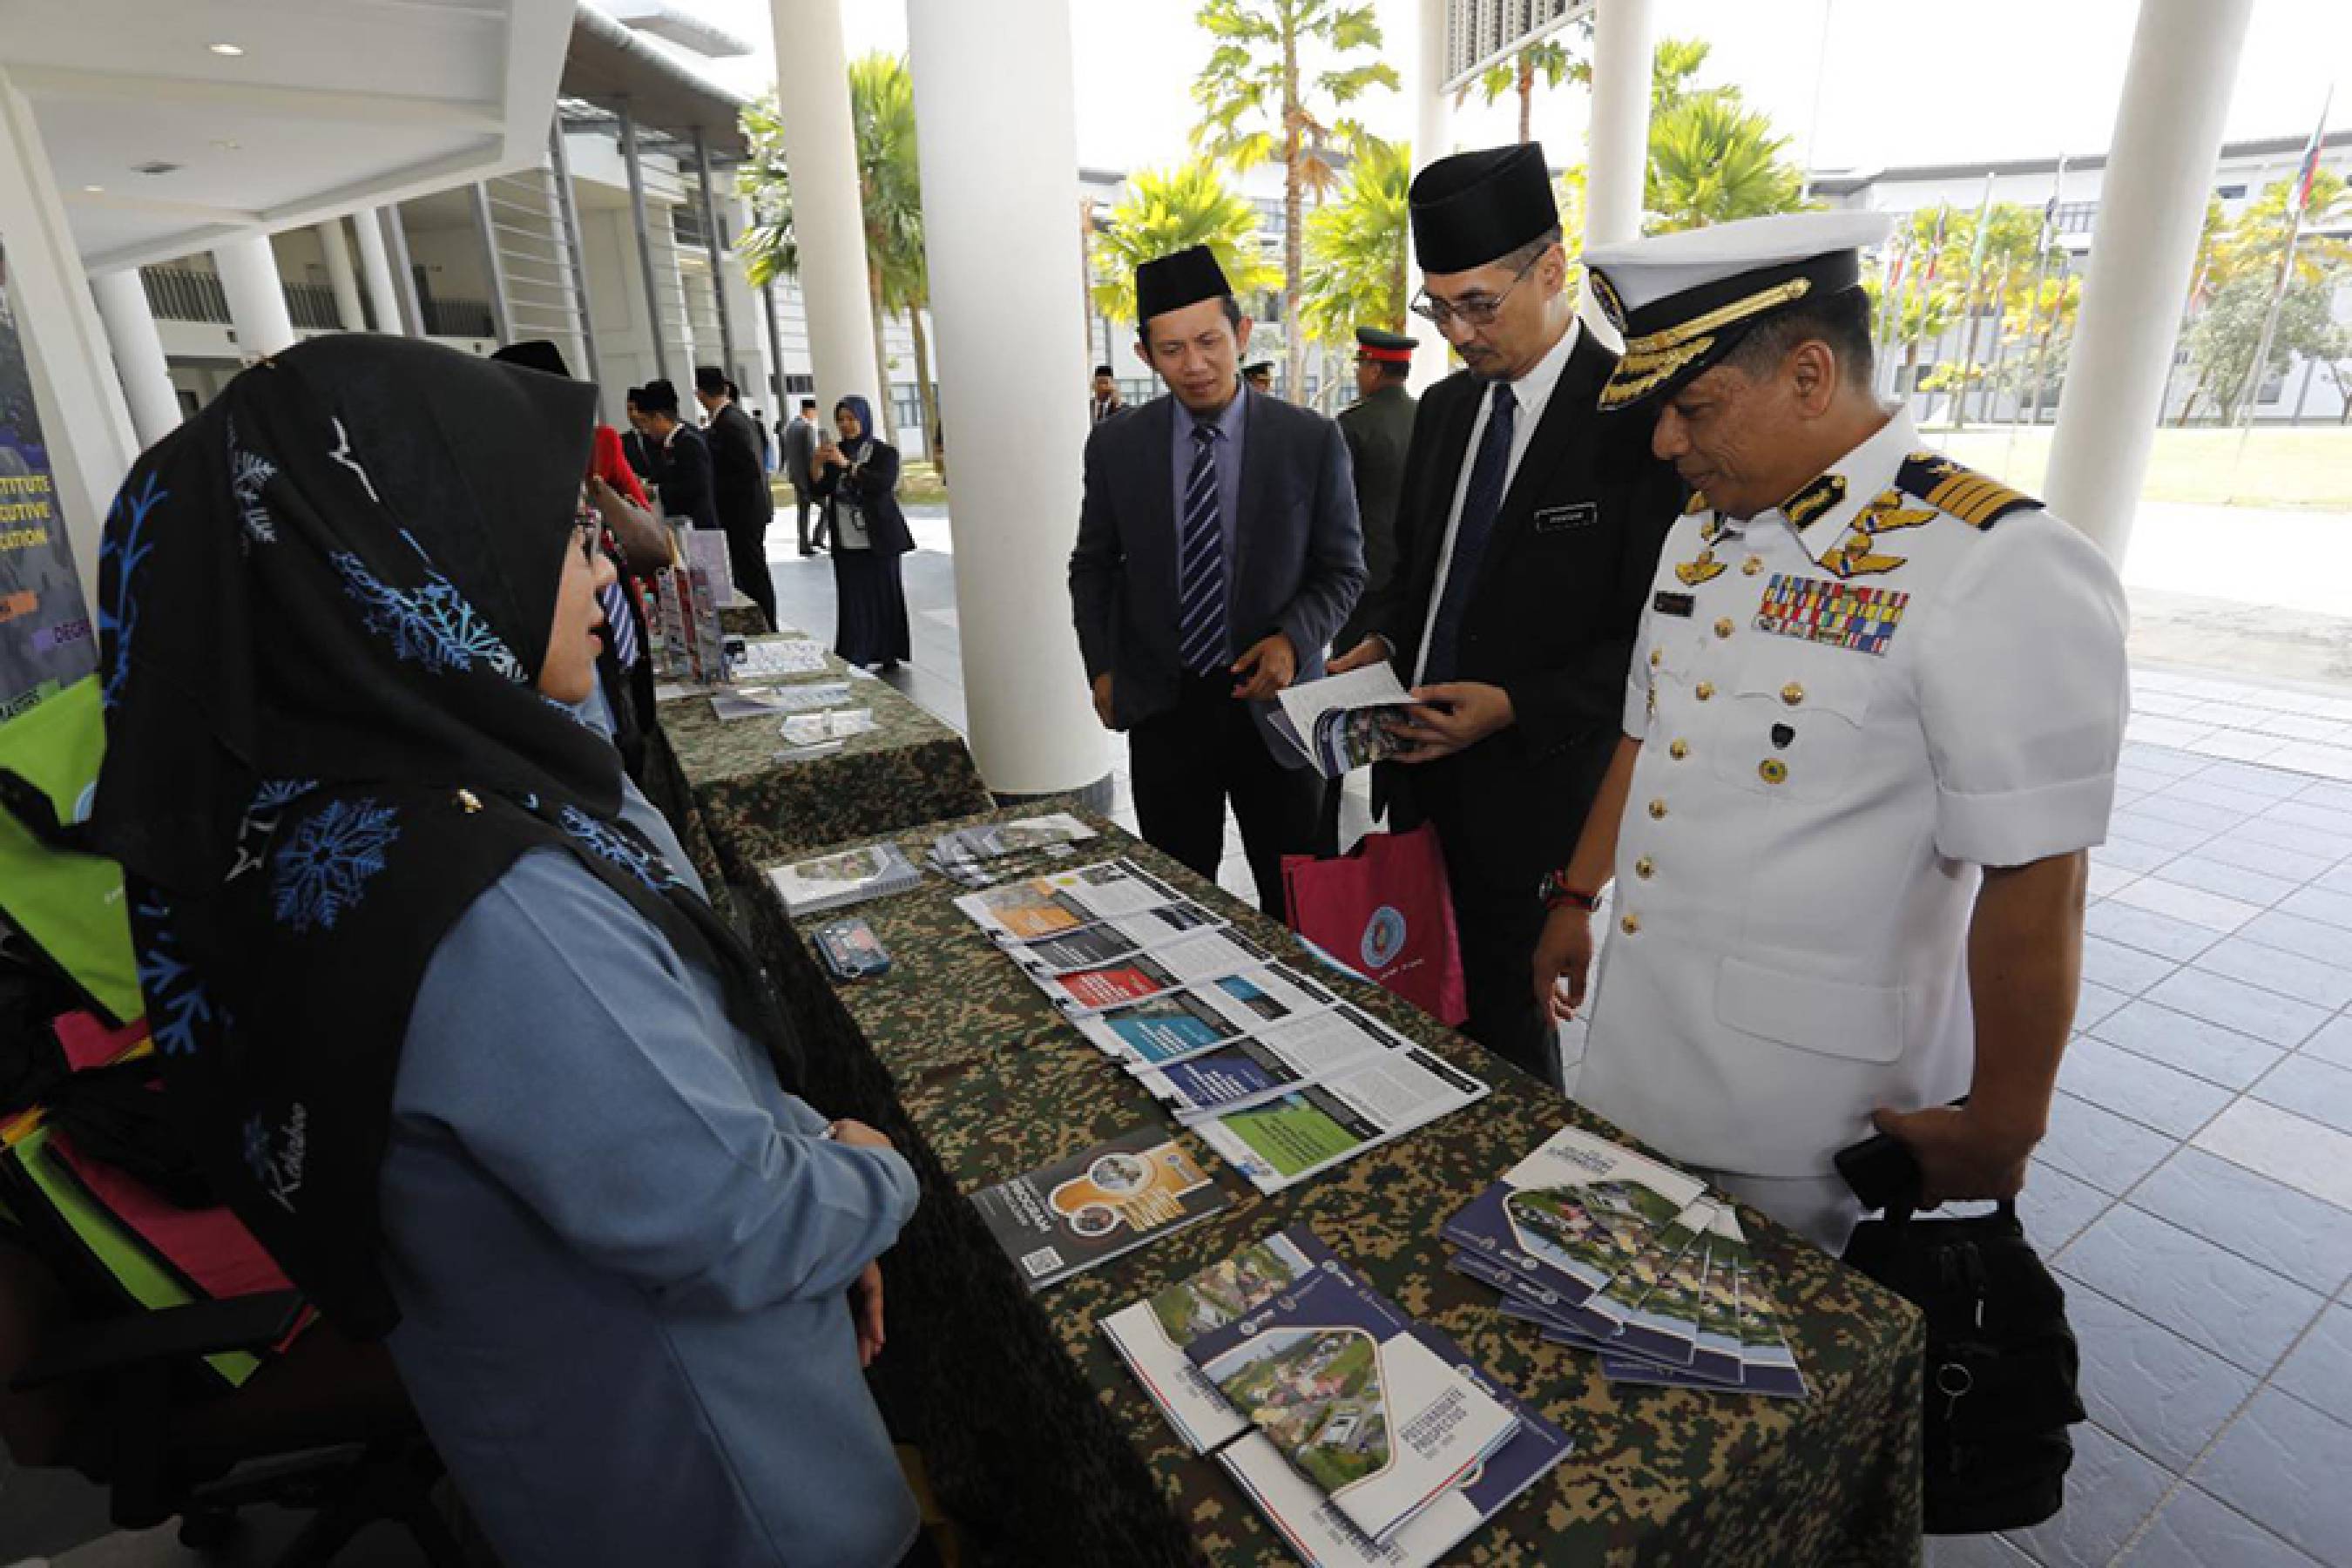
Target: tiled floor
x=2195, y=1191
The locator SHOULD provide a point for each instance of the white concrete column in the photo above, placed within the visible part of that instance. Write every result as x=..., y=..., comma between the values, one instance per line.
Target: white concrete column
x=84, y=421
x=821, y=159
x=256, y=295
x=2167, y=136
x=383, y=293
x=1624, y=35
x=138, y=353
x=341, y=274
x=1433, y=138
x=996, y=183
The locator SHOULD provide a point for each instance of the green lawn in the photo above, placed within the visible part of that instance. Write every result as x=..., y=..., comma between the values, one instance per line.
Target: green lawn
x=2310, y=466
x=919, y=485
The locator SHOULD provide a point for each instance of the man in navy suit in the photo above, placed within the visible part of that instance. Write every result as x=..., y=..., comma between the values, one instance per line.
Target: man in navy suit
x=1218, y=550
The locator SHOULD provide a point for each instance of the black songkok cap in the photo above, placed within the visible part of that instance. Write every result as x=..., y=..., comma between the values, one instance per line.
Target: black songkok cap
x=1171, y=282
x=1475, y=208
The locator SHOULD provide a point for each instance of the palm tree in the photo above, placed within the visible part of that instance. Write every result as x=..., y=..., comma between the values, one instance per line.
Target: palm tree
x=1547, y=57
x=1252, y=94
x=1713, y=160
x=1167, y=210
x=1355, y=249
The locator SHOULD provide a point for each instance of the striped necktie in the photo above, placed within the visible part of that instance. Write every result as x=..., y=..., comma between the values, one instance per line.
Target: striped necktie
x=1201, y=563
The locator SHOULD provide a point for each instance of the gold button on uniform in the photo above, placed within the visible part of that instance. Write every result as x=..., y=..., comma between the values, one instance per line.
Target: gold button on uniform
x=1705, y=691
x=1752, y=565
x=1657, y=656
x=1792, y=694
x=1723, y=627
x=1645, y=867
x=1773, y=770
x=1679, y=750
x=1629, y=924
x=1657, y=808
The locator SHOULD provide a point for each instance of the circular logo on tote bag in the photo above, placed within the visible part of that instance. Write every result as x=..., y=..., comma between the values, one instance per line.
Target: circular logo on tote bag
x=1383, y=937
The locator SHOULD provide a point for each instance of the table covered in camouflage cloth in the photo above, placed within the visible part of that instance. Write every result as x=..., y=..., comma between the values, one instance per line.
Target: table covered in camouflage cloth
x=1048, y=1452
x=743, y=620
x=723, y=787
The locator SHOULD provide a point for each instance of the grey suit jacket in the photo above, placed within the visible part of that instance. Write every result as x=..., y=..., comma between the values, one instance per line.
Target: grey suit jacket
x=1299, y=551
x=800, y=447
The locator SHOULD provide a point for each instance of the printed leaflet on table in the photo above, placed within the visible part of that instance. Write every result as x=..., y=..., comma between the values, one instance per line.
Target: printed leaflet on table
x=847, y=877
x=1055, y=1222
x=1306, y=1133
x=1047, y=906
x=1364, y=1402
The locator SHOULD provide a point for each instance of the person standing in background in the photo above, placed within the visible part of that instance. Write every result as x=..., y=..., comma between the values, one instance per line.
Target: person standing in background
x=800, y=443
x=739, y=488
x=857, y=481
x=1379, y=430
x=1527, y=528
x=1104, y=400
x=1217, y=552
x=636, y=445
x=1260, y=376
x=682, y=478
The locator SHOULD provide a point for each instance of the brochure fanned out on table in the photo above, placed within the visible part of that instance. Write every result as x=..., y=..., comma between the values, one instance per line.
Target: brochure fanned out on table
x=1266, y=1066
x=1362, y=1401
x=761, y=702
x=1185, y=1023
x=1306, y=1133
x=1108, y=941
x=1050, y=905
x=1190, y=959
x=1571, y=1237
x=764, y=659
x=964, y=852
x=1339, y=722
x=1055, y=1222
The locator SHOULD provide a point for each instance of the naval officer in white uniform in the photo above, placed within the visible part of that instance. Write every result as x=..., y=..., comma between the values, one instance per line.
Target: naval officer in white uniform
x=1871, y=731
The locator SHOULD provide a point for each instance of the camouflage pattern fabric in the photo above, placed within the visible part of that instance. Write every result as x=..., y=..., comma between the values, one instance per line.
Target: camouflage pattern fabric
x=758, y=811
x=1048, y=1452
x=741, y=620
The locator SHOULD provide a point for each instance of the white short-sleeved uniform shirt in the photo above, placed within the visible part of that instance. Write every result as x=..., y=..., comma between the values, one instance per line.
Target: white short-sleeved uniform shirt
x=1845, y=716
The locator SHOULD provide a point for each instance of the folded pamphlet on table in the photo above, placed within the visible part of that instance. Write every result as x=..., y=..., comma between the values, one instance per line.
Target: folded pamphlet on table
x=1305, y=1132
x=1065, y=900
x=1340, y=721
x=811, y=729
x=846, y=877
x=1365, y=1437
x=1070, y=1215
x=1192, y=1020
x=764, y=657
x=1603, y=1249
x=1190, y=959
x=1272, y=1063
x=763, y=701
x=966, y=854
x=1111, y=940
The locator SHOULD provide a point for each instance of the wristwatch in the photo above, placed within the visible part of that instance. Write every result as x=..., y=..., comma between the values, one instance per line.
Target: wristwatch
x=1556, y=890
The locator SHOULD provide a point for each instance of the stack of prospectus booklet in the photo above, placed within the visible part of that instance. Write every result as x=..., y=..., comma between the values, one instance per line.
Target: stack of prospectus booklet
x=1279, y=1075
x=1365, y=1437
x=1605, y=1250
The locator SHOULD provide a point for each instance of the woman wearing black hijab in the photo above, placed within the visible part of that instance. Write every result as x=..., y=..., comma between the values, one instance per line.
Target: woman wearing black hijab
x=457, y=1034
x=857, y=485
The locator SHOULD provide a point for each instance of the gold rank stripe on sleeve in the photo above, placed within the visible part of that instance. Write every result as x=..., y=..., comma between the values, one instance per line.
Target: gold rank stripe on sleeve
x=1966, y=494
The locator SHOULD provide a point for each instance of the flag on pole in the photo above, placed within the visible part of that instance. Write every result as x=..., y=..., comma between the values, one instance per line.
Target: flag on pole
x=2309, y=174
x=2050, y=207
x=1984, y=229
x=1935, y=246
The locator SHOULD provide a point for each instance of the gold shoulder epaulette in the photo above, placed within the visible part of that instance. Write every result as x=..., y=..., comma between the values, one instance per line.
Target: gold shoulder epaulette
x=1697, y=503
x=1967, y=495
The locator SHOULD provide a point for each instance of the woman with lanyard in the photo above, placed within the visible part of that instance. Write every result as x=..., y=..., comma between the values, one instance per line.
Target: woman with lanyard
x=856, y=483
x=458, y=1036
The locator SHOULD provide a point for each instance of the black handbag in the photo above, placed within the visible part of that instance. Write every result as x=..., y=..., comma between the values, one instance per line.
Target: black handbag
x=1998, y=1388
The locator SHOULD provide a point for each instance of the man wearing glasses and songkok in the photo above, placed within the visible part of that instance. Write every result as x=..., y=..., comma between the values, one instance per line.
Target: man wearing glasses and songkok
x=1527, y=528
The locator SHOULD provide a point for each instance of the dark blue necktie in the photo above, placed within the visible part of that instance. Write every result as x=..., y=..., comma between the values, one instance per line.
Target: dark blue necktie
x=1480, y=503
x=1201, y=563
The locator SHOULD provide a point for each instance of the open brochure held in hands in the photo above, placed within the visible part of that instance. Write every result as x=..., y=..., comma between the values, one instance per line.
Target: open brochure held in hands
x=1339, y=722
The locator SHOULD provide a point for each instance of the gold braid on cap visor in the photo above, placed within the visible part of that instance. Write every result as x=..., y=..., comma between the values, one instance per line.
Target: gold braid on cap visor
x=1651, y=360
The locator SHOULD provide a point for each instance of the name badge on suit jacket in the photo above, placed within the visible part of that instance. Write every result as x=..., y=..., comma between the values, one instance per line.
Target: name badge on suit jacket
x=1564, y=518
